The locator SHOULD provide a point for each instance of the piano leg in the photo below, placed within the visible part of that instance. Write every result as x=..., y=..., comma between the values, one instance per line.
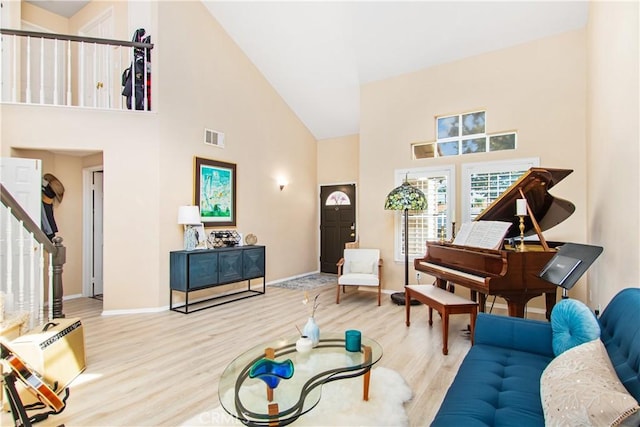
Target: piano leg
x=516, y=308
x=480, y=298
x=550, y=302
x=517, y=303
x=482, y=301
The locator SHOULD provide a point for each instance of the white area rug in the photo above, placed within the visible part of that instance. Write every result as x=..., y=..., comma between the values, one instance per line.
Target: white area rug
x=341, y=404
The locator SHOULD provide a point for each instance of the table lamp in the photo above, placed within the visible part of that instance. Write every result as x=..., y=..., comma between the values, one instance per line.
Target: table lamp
x=189, y=216
x=405, y=197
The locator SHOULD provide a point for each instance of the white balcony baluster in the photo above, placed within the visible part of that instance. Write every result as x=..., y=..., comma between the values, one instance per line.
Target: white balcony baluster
x=81, y=88
x=55, y=73
x=42, y=70
x=94, y=87
x=14, y=77
x=69, y=94
x=28, y=87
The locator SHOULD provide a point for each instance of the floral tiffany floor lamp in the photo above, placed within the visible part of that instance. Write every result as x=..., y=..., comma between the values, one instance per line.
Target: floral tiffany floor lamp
x=404, y=198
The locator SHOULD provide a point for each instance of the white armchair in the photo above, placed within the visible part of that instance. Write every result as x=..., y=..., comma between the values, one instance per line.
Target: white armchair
x=359, y=267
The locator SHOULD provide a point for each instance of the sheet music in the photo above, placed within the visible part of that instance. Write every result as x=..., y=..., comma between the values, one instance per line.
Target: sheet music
x=482, y=234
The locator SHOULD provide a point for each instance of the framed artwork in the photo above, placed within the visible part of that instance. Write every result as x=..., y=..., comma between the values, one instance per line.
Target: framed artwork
x=200, y=236
x=215, y=192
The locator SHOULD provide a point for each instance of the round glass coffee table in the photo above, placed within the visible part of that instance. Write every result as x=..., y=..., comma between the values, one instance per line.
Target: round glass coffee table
x=254, y=403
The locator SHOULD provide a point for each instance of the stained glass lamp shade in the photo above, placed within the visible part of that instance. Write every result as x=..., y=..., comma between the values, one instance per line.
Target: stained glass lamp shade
x=404, y=198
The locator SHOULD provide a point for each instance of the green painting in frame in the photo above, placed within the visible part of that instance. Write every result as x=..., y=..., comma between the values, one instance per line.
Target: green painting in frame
x=215, y=192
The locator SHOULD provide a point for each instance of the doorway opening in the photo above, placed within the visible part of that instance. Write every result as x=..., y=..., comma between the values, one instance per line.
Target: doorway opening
x=337, y=223
x=93, y=206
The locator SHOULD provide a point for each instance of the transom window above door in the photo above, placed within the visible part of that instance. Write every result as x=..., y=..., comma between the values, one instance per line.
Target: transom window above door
x=337, y=198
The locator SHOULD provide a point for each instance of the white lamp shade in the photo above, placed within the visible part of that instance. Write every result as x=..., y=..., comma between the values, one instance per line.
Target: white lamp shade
x=189, y=215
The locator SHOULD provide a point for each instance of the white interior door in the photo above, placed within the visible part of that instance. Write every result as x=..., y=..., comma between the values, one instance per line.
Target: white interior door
x=98, y=197
x=20, y=279
x=96, y=61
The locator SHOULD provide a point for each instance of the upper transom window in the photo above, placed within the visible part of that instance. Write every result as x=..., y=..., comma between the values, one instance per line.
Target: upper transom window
x=463, y=133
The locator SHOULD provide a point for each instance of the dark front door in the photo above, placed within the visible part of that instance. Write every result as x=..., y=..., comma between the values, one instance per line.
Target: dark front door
x=337, y=223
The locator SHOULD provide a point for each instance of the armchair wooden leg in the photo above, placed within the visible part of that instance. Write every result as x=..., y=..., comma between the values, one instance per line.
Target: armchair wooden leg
x=338, y=294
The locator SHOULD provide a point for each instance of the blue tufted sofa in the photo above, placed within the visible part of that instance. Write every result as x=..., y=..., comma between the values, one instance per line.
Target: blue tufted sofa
x=498, y=383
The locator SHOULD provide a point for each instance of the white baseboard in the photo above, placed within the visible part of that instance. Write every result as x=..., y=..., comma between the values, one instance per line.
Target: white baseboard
x=135, y=311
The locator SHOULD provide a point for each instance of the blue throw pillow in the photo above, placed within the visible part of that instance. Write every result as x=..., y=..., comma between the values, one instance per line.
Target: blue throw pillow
x=572, y=324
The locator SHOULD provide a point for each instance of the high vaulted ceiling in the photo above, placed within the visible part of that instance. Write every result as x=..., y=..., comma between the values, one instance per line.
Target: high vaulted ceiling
x=318, y=54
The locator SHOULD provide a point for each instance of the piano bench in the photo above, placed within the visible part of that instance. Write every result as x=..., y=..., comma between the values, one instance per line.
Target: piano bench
x=443, y=302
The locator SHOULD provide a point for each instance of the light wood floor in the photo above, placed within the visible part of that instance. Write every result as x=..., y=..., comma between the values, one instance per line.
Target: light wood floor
x=161, y=369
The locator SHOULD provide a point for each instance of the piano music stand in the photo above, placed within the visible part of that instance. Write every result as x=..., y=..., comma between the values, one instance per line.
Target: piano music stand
x=569, y=264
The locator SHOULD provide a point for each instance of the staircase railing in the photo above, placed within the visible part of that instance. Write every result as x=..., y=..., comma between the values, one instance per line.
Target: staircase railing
x=58, y=69
x=56, y=260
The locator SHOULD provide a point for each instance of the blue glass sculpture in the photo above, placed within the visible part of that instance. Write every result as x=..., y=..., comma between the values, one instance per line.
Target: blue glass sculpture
x=271, y=372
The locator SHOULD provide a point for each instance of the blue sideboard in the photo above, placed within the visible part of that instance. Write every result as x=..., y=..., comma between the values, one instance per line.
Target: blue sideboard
x=206, y=268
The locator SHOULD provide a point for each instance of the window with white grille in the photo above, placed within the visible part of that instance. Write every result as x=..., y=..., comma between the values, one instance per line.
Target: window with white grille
x=482, y=183
x=438, y=186
x=463, y=133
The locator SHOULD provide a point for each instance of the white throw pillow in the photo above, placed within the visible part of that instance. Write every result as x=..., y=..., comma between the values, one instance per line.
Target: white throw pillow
x=580, y=388
x=365, y=267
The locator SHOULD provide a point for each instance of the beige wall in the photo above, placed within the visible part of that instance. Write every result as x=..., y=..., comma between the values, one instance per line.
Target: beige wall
x=613, y=147
x=537, y=89
x=338, y=160
x=206, y=81
x=129, y=146
x=38, y=16
x=148, y=158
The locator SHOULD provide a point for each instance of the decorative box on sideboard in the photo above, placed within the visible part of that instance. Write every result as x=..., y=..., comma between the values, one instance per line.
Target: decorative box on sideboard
x=207, y=268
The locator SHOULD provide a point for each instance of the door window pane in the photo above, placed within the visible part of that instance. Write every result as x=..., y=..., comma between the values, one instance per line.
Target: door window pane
x=337, y=198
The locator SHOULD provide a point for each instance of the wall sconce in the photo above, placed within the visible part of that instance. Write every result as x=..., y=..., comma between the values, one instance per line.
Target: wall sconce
x=189, y=216
x=282, y=183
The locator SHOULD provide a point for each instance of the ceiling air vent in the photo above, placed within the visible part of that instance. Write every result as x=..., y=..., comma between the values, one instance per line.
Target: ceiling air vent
x=214, y=138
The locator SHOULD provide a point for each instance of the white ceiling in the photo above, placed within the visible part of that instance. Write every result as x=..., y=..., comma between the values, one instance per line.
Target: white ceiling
x=317, y=54
x=66, y=8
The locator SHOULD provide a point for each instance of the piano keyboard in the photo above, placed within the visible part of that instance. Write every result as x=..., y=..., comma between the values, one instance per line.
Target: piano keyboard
x=440, y=268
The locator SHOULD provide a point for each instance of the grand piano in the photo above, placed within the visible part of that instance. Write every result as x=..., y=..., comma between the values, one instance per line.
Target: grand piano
x=510, y=272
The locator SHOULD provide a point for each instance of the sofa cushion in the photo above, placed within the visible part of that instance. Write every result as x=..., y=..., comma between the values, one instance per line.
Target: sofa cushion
x=573, y=324
x=621, y=336
x=494, y=386
x=581, y=388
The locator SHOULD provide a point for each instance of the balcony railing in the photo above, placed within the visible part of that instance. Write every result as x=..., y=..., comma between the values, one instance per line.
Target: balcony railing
x=57, y=69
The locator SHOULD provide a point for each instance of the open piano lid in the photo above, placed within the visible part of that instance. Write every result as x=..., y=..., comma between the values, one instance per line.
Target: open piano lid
x=548, y=211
